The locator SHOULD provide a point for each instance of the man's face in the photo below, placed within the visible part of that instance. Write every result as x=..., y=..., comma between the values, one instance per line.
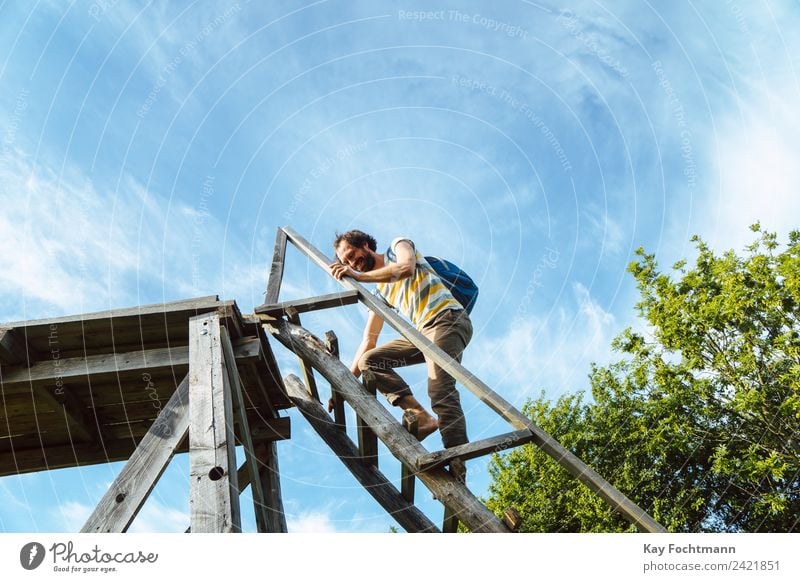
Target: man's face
x=358, y=258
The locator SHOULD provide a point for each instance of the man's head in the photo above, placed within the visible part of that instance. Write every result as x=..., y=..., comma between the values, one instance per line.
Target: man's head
x=356, y=249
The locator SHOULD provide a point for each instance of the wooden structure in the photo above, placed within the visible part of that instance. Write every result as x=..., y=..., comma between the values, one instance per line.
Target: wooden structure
x=197, y=376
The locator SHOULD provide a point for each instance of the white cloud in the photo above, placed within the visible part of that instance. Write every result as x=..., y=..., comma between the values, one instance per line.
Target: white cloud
x=759, y=178
x=73, y=515
x=551, y=353
x=157, y=517
x=311, y=522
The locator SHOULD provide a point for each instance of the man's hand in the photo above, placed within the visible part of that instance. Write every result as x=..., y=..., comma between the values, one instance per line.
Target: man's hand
x=339, y=270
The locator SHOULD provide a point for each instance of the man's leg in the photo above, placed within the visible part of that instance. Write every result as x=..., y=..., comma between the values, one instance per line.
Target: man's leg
x=451, y=332
x=377, y=368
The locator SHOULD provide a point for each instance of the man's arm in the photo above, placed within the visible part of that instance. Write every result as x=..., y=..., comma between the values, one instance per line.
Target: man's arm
x=371, y=332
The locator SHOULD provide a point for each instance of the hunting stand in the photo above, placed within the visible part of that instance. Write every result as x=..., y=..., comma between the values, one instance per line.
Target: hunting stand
x=88, y=389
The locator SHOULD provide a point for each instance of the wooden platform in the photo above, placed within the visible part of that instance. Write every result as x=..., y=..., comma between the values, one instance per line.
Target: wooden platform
x=85, y=389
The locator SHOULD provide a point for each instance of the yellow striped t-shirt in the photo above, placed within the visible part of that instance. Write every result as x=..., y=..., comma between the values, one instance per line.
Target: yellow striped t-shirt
x=421, y=296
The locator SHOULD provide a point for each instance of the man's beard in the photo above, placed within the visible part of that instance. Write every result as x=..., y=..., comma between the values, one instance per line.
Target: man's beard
x=369, y=263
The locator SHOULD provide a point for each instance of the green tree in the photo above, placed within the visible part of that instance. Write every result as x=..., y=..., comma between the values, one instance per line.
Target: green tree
x=699, y=422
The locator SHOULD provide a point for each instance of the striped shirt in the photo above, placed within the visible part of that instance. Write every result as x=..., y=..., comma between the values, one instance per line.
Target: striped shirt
x=421, y=296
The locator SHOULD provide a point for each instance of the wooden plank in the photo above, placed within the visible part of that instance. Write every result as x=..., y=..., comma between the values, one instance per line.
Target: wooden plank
x=407, y=481
x=153, y=360
x=317, y=303
x=32, y=459
x=475, y=449
x=13, y=349
x=401, y=444
x=276, y=269
x=577, y=468
x=197, y=303
x=450, y=521
x=123, y=500
x=376, y=484
x=332, y=345
x=213, y=491
x=244, y=430
x=307, y=370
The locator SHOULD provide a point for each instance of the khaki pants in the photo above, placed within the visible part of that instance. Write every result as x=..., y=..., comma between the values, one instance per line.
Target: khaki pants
x=451, y=331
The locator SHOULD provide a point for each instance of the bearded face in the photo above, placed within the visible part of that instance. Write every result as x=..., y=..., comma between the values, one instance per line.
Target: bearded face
x=356, y=258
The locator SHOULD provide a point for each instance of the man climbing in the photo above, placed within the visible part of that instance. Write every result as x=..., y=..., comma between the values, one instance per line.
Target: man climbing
x=408, y=282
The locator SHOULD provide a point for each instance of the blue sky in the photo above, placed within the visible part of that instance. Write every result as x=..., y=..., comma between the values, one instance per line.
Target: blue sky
x=150, y=150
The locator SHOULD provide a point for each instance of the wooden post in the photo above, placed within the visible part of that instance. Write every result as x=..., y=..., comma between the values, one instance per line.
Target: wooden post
x=244, y=430
x=407, y=515
x=276, y=270
x=402, y=445
x=213, y=490
x=123, y=500
x=367, y=441
x=269, y=474
x=548, y=444
x=332, y=345
x=407, y=481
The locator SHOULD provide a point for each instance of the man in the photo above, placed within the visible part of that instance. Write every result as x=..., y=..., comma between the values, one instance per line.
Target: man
x=408, y=283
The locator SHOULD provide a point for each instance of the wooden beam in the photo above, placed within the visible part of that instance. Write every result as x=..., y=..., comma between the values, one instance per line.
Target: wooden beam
x=407, y=481
x=213, y=490
x=475, y=449
x=13, y=349
x=269, y=473
x=197, y=304
x=332, y=345
x=52, y=371
x=402, y=445
x=577, y=468
x=244, y=430
x=308, y=372
x=376, y=484
x=276, y=269
x=271, y=429
x=310, y=304
x=123, y=500
x=367, y=440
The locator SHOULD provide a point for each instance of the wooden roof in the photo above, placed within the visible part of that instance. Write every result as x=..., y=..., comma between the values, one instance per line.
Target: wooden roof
x=84, y=389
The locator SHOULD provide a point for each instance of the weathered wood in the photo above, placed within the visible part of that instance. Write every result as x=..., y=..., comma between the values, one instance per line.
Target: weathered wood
x=376, y=484
x=308, y=372
x=407, y=481
x=548, y=444
x=213, y=491
x=450, y=520
x=276, y=270
x=271, y=429
x=402, y=445
x=367, y=440
x=197, y=303
x=51, y=371
x=512, y=518
x=332, y=345
x=32, y=459
x=123, y=500
x=86, y=425
x=310, y=304
x=475, y=449
x=244, y=430
x=269, y=473
x=13, y=349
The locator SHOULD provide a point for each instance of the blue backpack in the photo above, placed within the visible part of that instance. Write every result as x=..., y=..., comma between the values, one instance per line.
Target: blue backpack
x=457, y=281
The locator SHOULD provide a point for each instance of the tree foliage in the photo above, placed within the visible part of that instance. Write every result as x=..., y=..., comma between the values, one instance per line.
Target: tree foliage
x=699, y=421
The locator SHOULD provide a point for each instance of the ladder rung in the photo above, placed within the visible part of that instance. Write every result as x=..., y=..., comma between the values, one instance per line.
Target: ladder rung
x=474, y=449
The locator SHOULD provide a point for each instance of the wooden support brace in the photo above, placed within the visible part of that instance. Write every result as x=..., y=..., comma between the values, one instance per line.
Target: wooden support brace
x=308, y=371
x=376, y=484
x=123, y=500
x=402, y=445
x=237, y=393
x=407, y=481
x=310, y=304
x=276, y=270
x=577, y=468
x=13, y=348
x=332, y=345
x=213, y=490
x=475, y=449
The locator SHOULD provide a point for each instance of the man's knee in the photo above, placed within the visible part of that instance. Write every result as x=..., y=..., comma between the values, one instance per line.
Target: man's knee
x=367, y=361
